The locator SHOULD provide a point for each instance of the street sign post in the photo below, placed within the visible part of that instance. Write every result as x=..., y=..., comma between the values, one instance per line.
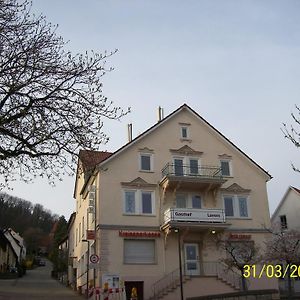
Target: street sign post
x=94, y=261
x=94, y=266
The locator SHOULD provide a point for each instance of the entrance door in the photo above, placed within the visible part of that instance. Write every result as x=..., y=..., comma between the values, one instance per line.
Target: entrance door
x=191, y=259
x=138, y=285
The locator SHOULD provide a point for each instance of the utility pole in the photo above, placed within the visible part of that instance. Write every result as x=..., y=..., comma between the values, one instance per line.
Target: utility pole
x=180, y=262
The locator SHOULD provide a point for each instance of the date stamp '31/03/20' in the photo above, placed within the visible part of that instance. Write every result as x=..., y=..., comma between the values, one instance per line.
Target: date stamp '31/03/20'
x=271, y=271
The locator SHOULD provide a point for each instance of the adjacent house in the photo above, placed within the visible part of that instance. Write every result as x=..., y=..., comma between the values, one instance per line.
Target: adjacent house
x=286, y=215
x=8, y=256
x=149, y=215
x=286, y=218
x=17, y=243
x=66, y=255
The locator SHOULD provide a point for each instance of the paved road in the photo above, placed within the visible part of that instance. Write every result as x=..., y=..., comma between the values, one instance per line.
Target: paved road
x=36, y=284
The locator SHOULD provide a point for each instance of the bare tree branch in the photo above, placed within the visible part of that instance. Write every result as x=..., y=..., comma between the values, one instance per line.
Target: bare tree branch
x=291, y=133
x=51, y=101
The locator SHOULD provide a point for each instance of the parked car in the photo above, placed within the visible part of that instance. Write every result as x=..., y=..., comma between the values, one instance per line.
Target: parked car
x=42, y=263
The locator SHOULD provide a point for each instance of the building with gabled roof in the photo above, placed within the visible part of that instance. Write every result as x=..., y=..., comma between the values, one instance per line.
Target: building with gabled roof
x=17, y=242
x=8, y=255
x=166, y=195
x=286, y=215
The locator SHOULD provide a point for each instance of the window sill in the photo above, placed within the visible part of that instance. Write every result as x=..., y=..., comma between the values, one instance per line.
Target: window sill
x=140, y=263
x=146, y=171
x=238, y=218
x=185, y=140
x=138, y=215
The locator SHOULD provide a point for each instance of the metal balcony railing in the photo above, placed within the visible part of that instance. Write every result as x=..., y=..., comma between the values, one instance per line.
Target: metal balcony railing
x=208, y=172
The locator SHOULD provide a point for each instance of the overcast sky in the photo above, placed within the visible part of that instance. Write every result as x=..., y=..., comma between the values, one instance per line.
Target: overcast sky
x=236, y=63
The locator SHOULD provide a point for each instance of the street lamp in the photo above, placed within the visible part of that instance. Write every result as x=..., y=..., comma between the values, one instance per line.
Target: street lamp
x=87, y=267
x=176, y=230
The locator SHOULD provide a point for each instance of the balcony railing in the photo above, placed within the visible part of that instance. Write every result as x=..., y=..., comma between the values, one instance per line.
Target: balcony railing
x=209, y=172
x=194, y=215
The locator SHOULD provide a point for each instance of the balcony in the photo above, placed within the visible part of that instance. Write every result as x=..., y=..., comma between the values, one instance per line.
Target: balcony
x=191, y=176
x=191, y=217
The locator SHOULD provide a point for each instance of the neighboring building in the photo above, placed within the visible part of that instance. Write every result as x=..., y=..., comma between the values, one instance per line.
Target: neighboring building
x=17, y=242
x=8, y=256
x=180, y=185
x=66, y=252
x=286, y=215
x=285, y=218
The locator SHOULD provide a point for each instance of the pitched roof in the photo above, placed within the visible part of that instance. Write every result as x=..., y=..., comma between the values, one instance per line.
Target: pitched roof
x=91, y=158
x=297, y=190
x=182, y=107
x=283, y=200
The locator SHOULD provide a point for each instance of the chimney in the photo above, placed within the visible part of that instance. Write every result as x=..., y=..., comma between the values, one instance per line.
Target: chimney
x=129, y=127
x=160, y=113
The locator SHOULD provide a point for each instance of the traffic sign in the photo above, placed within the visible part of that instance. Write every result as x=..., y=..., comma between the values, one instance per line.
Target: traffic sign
x=94, y=266
x=94, y=258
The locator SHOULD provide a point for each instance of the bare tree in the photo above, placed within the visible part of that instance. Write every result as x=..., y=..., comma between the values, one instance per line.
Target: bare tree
x=239, y=254
x=284, y=248
x=292, y=133
x=51, y=101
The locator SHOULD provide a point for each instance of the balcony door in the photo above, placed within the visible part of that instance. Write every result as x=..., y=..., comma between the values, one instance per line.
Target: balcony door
x=178, y=166
x=191, y=259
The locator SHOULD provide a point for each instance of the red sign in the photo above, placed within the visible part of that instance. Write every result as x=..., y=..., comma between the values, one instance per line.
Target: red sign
x=240, y=236
x=90, y=235
x=147, y=234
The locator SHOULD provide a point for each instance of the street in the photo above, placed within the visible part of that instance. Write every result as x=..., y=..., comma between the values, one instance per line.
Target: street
x=36, y=284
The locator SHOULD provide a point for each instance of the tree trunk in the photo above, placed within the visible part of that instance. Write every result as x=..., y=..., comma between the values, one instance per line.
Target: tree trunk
x=290, y=288
x=244, y=282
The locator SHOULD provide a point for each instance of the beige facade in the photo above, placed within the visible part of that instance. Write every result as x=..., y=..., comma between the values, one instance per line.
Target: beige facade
x=177, y=188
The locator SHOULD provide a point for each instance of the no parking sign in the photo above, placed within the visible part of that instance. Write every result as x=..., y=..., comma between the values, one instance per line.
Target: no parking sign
x=94, y=258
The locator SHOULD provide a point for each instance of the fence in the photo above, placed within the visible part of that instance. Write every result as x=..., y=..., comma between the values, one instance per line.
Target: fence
x=107, y=294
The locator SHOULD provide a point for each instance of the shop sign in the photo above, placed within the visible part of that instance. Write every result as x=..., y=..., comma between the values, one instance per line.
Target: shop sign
x=145, y=234
x=195, y=215
x=90, y=235
x=240, y=237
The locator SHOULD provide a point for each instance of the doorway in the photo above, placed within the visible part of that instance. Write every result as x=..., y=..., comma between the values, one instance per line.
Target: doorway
x=139, y=285
x=191, y=259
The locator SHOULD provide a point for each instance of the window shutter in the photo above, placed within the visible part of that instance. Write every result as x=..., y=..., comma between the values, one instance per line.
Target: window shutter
x=139, y=251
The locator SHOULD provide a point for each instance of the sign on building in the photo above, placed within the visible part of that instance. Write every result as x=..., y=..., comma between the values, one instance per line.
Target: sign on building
x=90, y=235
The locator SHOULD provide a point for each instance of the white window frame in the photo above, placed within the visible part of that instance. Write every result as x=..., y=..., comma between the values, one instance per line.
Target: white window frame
x=229, y=165
x=236, y=206
x=138, y=202
x=187, y=164
x=189, y=200
x=187, y=137
x=151, y=161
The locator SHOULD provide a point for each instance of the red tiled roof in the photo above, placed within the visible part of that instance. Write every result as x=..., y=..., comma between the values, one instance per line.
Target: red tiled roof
x=90, y=158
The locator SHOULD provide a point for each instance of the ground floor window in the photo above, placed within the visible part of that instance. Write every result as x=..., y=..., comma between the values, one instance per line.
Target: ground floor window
x=139, y=251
